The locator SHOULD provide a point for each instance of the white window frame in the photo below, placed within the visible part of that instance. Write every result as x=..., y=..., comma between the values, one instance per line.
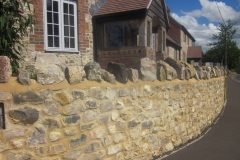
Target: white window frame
x=61, y=47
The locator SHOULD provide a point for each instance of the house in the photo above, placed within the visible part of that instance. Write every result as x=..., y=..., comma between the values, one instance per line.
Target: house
x=127, y=30
x=179, y=35
x=195, y=55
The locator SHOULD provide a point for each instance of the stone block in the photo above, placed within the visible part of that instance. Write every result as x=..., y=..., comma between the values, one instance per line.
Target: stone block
x=165, y=71
x=108, y=77
x=56, y=149
x=14, y=133
x=92, y=147
x=29, y=96
x=24, y=77
x=119, y=71
x=71, y=120
x=98, y=133
x=73, y=108
x=51, y=108
x=177, y=66
x=63, y=96
x=74, y=74
x=93, y=71
x=147, y=69
x=19, y=156
x=111, y=150
x=51, y=123
x=78, y=141
x=132, y=75
x=106, y=106
x=72, y=155
x=5, y=69
x=37, y=137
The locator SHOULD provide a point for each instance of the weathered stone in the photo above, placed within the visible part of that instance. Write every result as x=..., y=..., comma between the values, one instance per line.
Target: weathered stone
x=24, y=115
x=93, y=156
x=147, y=69
x=165, y=71
x=123, y=92
x=19, y=143
x=133, y=123
x=177, y=66
x=13, y=133
x=93, y=71
x=108, y=77
x=28, y=96
x=57, y=149
x=190, y=68
x=187, y=74
x=119, y=105
x=51, y=108
x=19, y=156
x=114, y=149
x=98, y=132
x=115, y=115
x=24, y=77
x=91, y=104
x=106, y=106
x=121, y=126
x=48, y=73
x=135, y=133
x=169, y=147
x=5, y=96
x=132, y=75
x=72, y=155
x=63, y=96
x=92, y=147
x=49, y=58
x=119, y=71
x=89, y=115
x=106, y=141
x=147, y=124
x=119, y=137
x=68, y=120
x=73, y=108
x=5, y=69
x=111, y=93
x=54, y=136
x=78, y=94
x=70, y=131
x=104, y=119
x=126, y=115
x=112, y=129
x=37, y=137
x=74, y=74
x=96, y=92
x=51, y=123
x=87, y=126
x=199, y=72
x=78, y=141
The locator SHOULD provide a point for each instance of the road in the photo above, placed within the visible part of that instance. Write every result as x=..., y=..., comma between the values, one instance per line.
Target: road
x=222, y=142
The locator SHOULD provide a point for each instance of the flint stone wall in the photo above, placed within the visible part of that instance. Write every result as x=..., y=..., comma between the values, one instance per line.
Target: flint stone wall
x=132, y=122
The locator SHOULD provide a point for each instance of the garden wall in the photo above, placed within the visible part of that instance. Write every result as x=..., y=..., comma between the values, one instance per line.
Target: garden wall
x=91, y=120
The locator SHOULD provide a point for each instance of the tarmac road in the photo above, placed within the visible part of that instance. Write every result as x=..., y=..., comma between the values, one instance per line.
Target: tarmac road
x=222, y=142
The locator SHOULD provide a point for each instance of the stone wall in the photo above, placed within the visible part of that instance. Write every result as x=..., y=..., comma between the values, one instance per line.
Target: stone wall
x=132, y=121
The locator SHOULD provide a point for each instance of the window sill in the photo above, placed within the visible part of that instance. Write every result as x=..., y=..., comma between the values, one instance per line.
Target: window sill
x=61, y=51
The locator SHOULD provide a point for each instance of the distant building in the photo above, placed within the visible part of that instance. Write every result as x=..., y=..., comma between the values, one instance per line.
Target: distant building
x=194, y=55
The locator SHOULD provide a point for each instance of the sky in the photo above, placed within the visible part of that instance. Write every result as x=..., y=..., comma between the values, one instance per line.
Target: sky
x=202, y=17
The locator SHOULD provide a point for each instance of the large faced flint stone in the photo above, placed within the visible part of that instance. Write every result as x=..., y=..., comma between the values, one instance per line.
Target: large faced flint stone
x=28, y=96
x=25, y=115
x=147, y=69
x=177, y=66
x=119, y=71
x=93, y=71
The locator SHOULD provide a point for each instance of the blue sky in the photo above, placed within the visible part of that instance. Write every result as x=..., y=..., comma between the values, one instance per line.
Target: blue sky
x=201, y=17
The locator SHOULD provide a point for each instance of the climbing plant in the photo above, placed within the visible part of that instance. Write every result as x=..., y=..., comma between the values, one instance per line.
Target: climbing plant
x=15, y=23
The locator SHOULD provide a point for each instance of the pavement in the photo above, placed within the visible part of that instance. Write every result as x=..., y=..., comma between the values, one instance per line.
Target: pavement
x=222, y=141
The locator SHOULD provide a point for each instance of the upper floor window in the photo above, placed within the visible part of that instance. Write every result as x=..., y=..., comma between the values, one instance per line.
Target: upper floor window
x=122, y=33
x=60, y=25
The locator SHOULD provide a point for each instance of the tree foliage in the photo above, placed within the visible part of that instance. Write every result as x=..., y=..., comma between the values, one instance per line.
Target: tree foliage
x=14, y=24
x=217, y=51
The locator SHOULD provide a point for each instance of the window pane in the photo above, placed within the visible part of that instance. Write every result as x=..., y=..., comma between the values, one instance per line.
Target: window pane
x=66, y=31
x=50, y=29
x=71, y=9
x=66, y=21
x=50, y=41
x=55, y=18
x=71, y=31
x=49, y=17
x=71, y=20
x=56, y=41
x=55, y=6
x=49, y=5
x=65, y=8
x=72, y=43
x=66, y=42
x=56, y=30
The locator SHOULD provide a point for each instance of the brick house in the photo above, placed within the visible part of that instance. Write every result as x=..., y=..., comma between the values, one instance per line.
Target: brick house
x=127, y=30
x=179, y=35
x=195, y=55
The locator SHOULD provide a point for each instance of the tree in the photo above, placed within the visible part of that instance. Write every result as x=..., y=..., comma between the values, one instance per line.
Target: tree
x=14, y=24
x=217, y=51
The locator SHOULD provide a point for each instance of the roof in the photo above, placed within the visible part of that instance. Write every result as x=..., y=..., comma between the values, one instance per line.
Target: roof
x=118, y=6
x=195, y=52
x=172, y=40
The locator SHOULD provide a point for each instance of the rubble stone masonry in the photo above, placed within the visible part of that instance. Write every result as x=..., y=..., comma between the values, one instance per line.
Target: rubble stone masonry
x=136, y=121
